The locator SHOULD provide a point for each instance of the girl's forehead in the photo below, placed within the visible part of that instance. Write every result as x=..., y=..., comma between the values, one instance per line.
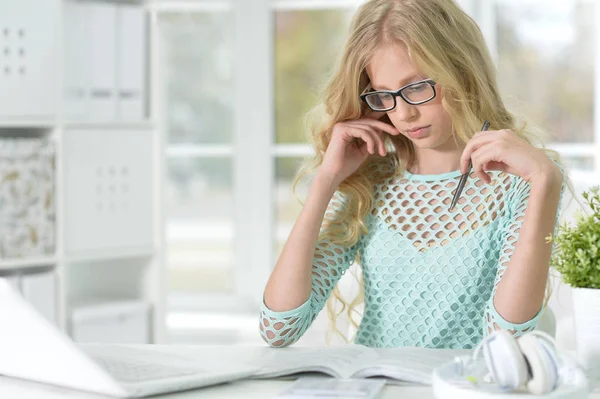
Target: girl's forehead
x=391, y=67
x=391, y=57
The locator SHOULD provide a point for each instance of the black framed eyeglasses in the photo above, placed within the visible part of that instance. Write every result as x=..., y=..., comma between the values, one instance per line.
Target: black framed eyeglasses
x=413, y=93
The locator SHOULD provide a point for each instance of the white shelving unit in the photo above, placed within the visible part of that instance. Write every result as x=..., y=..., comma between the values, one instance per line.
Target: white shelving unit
x=76, y=74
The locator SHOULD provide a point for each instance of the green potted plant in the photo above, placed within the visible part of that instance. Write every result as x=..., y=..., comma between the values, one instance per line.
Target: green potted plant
x=577, y=258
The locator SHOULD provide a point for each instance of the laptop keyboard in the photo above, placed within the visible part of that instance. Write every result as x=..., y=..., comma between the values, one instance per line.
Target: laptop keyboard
x=134, y=371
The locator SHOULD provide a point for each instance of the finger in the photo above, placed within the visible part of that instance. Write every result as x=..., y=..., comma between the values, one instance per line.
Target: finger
x=365, y=136
x=481, y=158
x=386, y=127
x=493, y=165
x=478, y=171
x=473, y=145
x=381, y=140
x=378, y=136
x=500, y=132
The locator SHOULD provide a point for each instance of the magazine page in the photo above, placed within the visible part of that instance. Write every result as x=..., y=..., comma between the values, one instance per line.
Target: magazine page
x=336, y=361
x=408, y=364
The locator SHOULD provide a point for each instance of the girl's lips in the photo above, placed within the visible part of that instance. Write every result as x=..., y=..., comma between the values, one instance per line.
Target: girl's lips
x=415, y=134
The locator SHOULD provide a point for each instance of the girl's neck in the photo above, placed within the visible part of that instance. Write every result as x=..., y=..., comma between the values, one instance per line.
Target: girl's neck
x=433, y=161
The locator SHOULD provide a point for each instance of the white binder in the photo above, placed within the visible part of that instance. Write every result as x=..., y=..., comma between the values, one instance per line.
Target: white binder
x=101, y=18
x=131, y=65
x=77, y=61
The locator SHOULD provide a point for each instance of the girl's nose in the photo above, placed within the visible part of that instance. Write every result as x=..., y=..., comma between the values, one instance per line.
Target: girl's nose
x=405, y=111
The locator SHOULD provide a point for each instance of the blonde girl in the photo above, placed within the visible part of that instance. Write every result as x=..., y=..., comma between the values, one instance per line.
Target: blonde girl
x=401, y=120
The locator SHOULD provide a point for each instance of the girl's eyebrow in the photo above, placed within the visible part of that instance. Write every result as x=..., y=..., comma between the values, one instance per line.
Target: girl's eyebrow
x=402, y=83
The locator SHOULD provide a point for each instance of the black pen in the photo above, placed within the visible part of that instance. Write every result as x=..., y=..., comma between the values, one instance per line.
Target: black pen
x=463, y=178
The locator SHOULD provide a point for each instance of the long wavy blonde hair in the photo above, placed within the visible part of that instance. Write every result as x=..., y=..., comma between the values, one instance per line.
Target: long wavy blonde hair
x=449, y=48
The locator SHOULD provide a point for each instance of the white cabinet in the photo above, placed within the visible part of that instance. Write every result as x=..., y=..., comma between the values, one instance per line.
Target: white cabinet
x=28, y=58
x=78, y=204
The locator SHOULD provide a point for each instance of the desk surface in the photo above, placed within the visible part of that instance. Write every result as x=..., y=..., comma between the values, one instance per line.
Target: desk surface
x=247, y=389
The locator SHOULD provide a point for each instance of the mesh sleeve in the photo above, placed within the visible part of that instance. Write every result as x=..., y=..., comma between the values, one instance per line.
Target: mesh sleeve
x=330, y=262
x=510, y=236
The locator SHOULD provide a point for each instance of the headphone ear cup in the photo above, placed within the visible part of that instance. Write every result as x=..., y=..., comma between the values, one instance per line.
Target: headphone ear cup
x=542, y=363
x=505, y=361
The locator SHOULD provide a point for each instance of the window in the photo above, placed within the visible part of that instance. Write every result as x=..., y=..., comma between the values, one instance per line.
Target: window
x=546, y=69
x=287, y=205
x=198, y=90
x=307, y=45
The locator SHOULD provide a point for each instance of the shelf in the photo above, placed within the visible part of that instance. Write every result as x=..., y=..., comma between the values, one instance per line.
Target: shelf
x=27, y=263
x=110, y=254
x=148, y=124
x=27, y=123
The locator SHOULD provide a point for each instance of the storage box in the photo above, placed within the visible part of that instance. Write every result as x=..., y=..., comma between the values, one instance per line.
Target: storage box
x=27, y=197
x=111, y=321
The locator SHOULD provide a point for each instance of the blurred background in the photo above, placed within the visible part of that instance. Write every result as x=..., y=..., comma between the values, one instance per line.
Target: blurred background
x=149, y=148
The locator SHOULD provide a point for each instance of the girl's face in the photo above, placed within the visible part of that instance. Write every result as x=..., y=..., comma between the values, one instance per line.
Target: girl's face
x=391, y=69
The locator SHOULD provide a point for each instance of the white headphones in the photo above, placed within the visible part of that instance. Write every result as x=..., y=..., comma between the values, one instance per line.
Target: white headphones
x=529, y=363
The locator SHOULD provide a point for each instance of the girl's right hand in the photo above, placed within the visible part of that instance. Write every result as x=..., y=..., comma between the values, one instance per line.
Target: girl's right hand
x=351, y=143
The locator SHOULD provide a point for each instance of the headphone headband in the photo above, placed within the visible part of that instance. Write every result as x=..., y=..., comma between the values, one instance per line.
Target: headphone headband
x=466, y=377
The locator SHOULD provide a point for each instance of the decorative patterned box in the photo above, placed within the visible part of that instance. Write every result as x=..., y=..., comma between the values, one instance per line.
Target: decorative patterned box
x=27, y=197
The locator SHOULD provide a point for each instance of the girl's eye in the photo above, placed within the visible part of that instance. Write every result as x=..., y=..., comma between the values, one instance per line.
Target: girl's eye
x=417, y=87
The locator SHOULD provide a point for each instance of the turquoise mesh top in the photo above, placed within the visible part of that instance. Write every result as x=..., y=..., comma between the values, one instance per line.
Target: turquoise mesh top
x=429, y=274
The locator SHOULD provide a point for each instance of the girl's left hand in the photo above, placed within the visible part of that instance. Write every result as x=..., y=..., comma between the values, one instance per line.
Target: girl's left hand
x=505, y=151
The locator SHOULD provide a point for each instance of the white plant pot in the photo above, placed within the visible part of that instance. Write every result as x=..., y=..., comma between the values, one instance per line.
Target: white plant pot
x=586, y=313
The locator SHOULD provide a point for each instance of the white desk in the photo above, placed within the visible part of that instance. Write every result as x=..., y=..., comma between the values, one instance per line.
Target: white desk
x=247, y=389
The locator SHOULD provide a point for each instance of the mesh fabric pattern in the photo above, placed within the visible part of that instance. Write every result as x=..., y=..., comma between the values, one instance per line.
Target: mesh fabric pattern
x=429, y=273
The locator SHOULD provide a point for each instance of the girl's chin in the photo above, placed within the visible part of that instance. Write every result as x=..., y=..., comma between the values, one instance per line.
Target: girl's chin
x=431, y=142
x=425, y=142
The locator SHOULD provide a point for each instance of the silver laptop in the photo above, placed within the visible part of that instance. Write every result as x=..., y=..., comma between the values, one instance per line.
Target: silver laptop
x=33, y=349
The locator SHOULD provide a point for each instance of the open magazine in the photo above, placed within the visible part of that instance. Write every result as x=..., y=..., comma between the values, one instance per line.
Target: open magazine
x=398, y=365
